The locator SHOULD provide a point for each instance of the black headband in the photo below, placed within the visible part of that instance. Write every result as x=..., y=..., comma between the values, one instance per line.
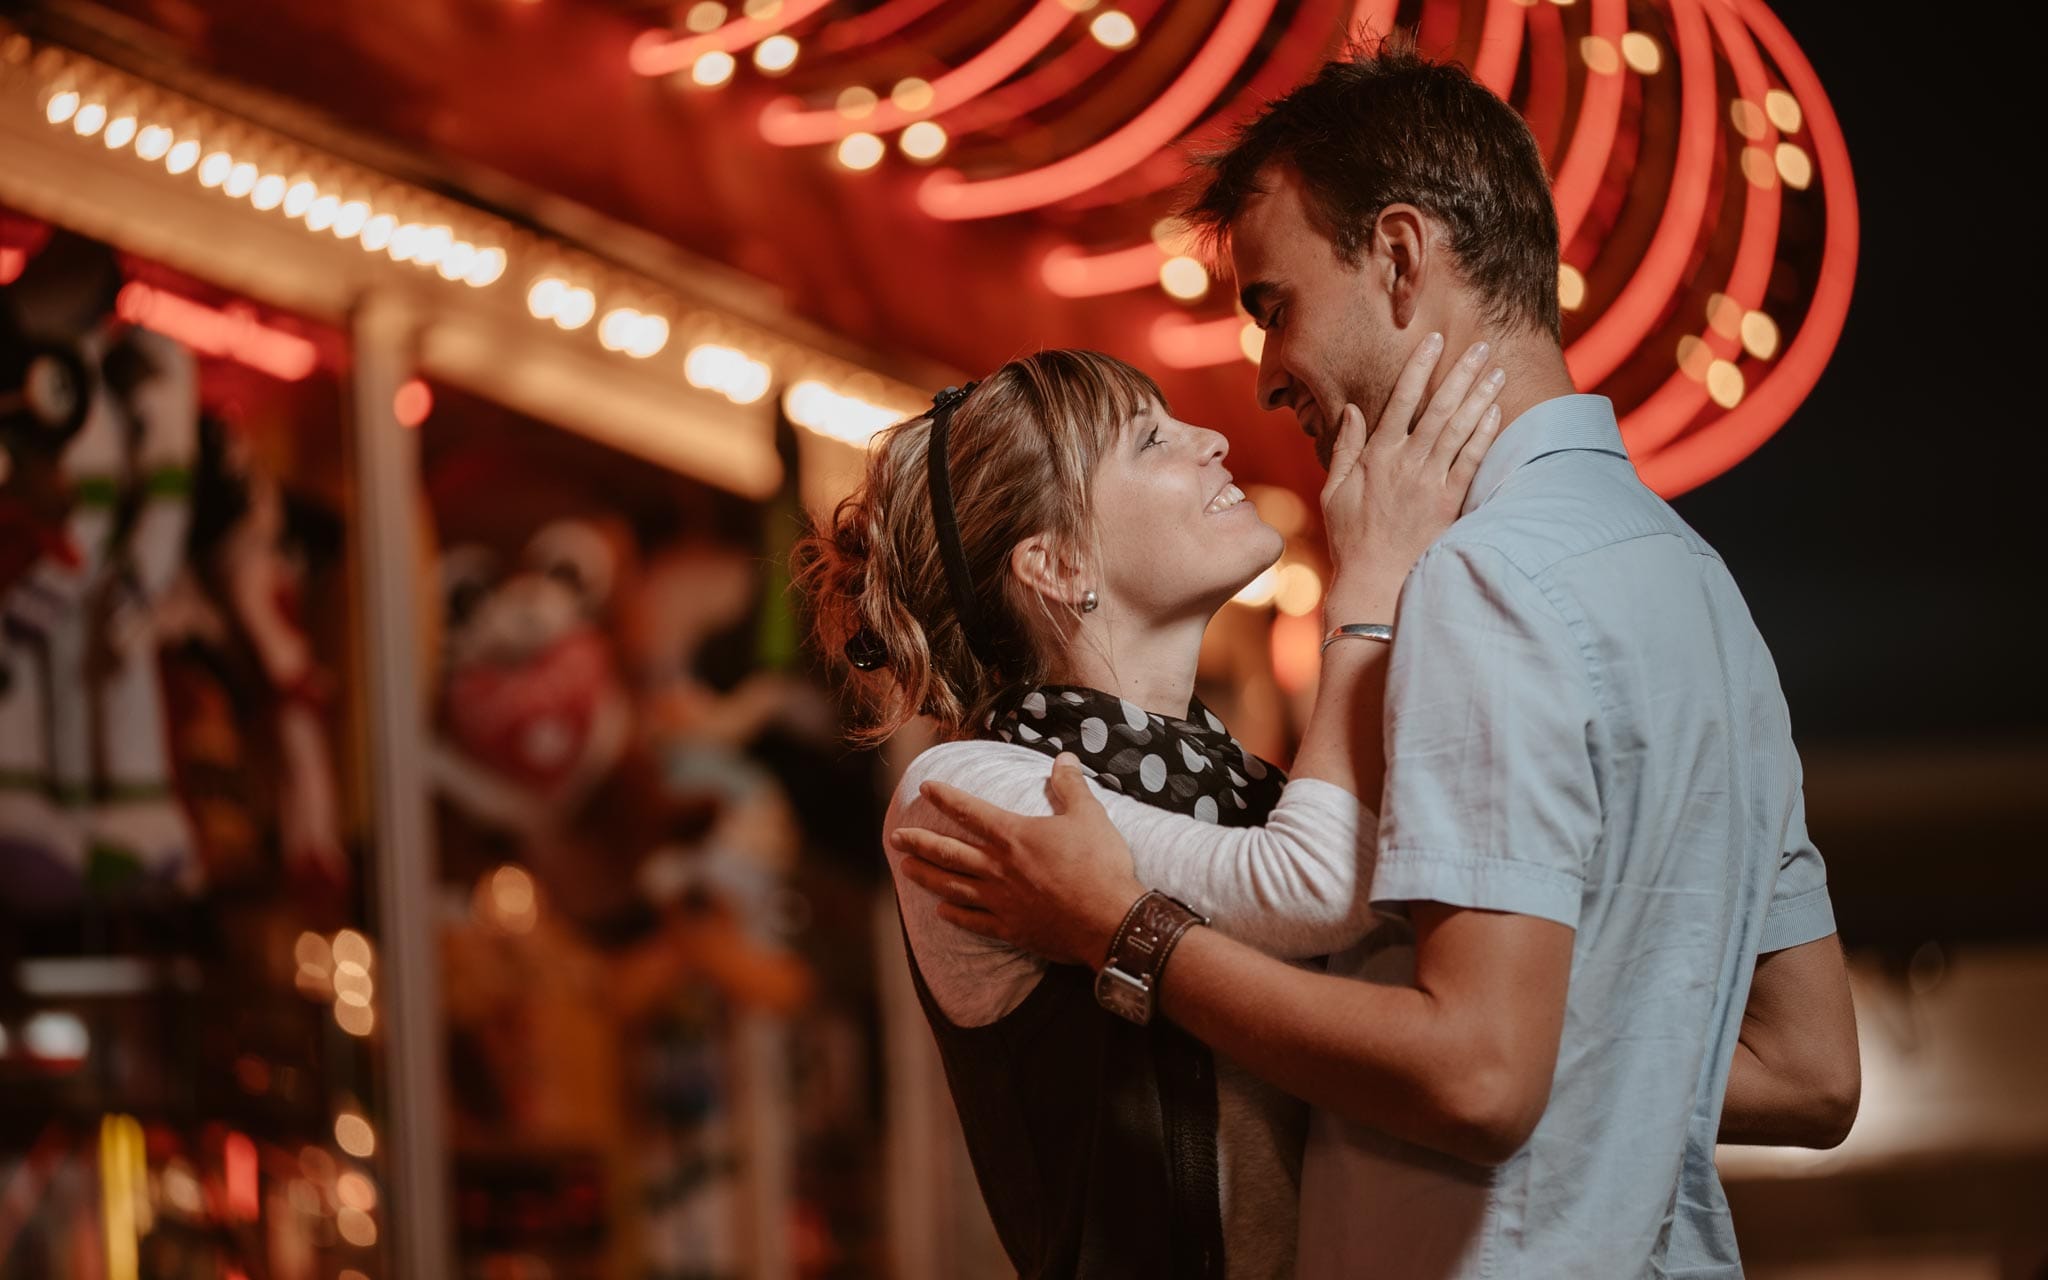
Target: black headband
x=865, y=649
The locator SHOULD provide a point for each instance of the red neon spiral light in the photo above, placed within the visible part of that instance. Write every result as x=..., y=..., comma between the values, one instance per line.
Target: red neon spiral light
x=1682, y=238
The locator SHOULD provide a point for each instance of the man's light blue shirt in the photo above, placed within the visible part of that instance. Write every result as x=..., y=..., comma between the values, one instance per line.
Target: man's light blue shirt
x=1583, y=725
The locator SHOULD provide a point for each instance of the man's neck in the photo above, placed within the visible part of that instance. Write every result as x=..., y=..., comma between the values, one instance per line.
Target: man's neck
x=1534, y=364
x=1150, y=665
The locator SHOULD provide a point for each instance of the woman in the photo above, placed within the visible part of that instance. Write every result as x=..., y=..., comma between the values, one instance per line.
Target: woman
x=1036, y=582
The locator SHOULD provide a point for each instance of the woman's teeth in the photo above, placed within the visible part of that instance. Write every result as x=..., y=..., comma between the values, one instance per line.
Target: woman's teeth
x=1224, y=501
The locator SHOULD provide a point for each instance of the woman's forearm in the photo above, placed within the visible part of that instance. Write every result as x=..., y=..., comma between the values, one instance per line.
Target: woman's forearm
x=1343, y=743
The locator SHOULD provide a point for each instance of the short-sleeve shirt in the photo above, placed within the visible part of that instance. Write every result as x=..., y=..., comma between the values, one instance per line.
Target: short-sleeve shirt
x=1584, y=725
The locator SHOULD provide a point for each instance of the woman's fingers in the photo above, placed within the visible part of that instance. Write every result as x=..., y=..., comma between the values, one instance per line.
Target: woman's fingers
x=1408, y=390
x=1451, y=393
x=1346, y=453
x=1465, y=416
x=1466, y=465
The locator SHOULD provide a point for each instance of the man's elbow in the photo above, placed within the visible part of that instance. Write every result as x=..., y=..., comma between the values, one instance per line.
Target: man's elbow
x=1492, y=1114
x=1835, y=1100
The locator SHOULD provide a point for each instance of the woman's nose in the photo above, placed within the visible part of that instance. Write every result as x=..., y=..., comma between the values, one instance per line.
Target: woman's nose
x=1215, y=446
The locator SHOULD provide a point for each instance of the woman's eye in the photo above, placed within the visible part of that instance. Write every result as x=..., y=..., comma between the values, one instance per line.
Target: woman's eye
x=1150, y=440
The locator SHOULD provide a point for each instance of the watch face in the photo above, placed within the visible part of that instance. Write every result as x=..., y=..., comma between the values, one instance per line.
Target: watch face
x=1123, y=996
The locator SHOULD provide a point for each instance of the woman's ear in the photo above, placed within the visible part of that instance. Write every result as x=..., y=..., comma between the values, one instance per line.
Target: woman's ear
x=1053, y=576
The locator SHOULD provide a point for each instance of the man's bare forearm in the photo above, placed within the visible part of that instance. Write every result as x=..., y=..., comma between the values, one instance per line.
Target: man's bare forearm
x=1460, y=1063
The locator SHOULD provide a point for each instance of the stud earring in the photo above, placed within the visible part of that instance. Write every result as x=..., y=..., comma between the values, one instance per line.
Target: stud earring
x=1089, y=602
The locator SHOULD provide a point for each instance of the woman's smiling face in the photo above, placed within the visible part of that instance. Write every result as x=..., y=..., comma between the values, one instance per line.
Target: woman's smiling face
x=1176, y=538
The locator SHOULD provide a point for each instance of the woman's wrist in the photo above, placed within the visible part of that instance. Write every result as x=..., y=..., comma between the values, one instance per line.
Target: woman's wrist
x=1359, y=600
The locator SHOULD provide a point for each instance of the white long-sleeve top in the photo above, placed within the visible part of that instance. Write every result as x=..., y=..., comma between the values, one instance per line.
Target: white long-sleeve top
x=1295, y=888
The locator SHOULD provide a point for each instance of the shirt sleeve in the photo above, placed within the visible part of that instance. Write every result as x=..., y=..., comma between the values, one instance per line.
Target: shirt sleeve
x=1800, y=910
x=1491, y=800
x=1294, y=888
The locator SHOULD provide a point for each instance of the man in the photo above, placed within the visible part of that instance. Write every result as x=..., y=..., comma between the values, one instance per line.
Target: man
x=1609, y=941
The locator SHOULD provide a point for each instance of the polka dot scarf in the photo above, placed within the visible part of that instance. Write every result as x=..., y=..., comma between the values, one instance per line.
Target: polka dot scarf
x=1190, y=766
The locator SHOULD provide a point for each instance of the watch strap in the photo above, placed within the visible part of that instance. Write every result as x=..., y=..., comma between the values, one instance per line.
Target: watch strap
x=1129, y=982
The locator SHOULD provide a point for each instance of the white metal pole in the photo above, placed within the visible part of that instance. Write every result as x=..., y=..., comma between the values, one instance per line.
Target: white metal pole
x=388, y=540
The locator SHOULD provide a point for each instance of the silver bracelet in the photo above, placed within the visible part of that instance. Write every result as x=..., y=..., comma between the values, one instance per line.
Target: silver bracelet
x=1379, y=631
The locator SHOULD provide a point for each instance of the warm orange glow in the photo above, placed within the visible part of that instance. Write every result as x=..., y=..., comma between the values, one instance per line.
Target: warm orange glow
x=1114, y=29
x=1251, y=340
x=234, y=333
x=1641, y=53
x=269, y=192
x=1724, y=315
x=786, y=124
x=1783, y=109
x=377, y=233
x=182, y=156
x=1765, y=407
x=120, y=132
x=153, y=143
x=353, y=948
x=1183, y=278
x=859, y=151
x=1297, y=656
x=356, y=1227
x=356, y=1019
x=413, y=403
x=1571, y=287
x=712, y=68
x=854, y=103
x=1181, y=343
x=1071, y=273
x=950, y=196
x=1758, y=168
x=355, y=1191
x=321, y=213
x=1748, y=119
x=1760, y=335
x=912, y=95
x=1300, y=592
x=90, y=118
x=656, y=53
x=730, y=372
x=1585, y=159
x=776, y=54
x=238, y=1177
x=1794, y=166
x=1600, y=56
x=1626, y=321
x=241, y=180
x=706, y=15
x=924, y=140
x=62, y=106
x=214, y=169
x=1724, y=384
x=1694, y=357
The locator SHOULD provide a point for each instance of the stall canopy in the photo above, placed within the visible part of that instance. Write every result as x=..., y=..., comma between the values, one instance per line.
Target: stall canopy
x=967, y=181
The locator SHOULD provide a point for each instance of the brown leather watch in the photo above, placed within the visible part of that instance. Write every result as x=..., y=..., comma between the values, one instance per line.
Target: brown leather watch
x=1128, y=985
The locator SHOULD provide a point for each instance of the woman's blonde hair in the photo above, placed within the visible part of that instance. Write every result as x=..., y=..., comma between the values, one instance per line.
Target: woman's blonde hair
x=1021, y=452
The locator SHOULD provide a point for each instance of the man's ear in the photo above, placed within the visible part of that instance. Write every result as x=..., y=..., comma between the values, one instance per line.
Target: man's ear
x=1047, y=571
x=1404, y=245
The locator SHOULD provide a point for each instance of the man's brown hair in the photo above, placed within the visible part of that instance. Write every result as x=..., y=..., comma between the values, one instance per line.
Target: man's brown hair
x=1384, y=126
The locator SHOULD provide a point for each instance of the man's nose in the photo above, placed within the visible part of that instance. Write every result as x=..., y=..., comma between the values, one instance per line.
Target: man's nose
x=1273, y=384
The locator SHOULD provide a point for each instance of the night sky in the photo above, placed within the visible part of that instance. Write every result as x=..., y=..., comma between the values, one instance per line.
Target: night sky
x=1889, y=538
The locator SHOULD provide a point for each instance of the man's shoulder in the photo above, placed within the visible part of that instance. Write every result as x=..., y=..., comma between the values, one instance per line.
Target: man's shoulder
x=1566, y=506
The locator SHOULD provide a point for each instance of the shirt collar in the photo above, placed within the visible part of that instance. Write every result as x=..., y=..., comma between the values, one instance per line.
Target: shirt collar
x=1552, y=426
